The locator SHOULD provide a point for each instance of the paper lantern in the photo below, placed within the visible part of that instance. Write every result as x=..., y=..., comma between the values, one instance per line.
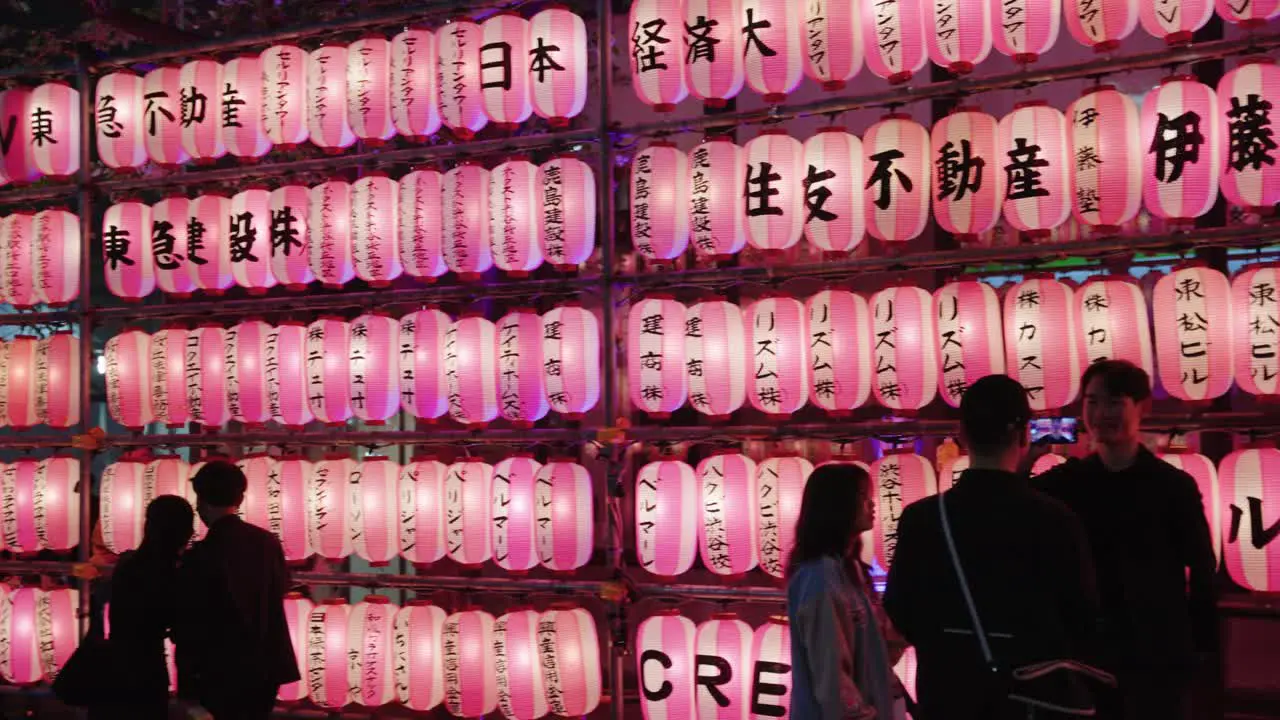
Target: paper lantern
x=245, y=368
x=668, y=518
x=780, y=485
x=722, y=675
x=893, y=35
x=771, y=668
x=326, y=104
x=779, y=350
x=287, y=490
x=658, y=52
x=832, y=42
x=162, y=115
x=329, y=507
x=54, y=117
x=1025, y=29
x=897, y=171
x=715, y=362
x=57, y=390
x=258, y=468
x=128, y=371
x=906, y=670
x=415, y=88
x=712, y=53
x=289, y=234
x=1104, y=124
x=200, y=105
x=244, y=106
x=297, y=616
x=1246, y=96
x=557, y=65
x=566, y=212
x=374, y=380
x=422, y=519
x=375, y=510
x=571, y=359
x=570, y=654
x=17, y=258
x=833, y=187
x=372, y=671
x=1040, y=352
x=1174, y=20
x=1046, y=462
x=1192, y=316
x=659, y=192
x=471, y=371
x=421, y=232
x=773, y=32
x=249, y=240
x=967, y=187
x=468, y=494
x=424, y=392
x=208, y=243
x=461, y=94
x=1182, y=136
x=369, y=89
x=168, y=390
x=18, y=401
x=717, y=217
x=1112, y=323
x=285, y=362
x=126, y=250
x=168, y=238
x=118, y=121
x=958, y=35
x=504, y=69
x=470, y=678
x=773, y=196
x=329, y=213
x=900, y=478
x=206, y=376
x=26, y=628
x=19, y=516
x=329, y=646
x=840, y=343
x=521, y=691
x=513, y=217
x=121, y=504
x=166, y=475
x=728, y=536
x=520, y=368
x=329, y=370
x=285, y=97
x=1247, y=478
x=952, y=471
x=57, y=248
x=656, y=355
x=903, y=349
x=1033, y=158
x=57, y=503
x=1201, y=469
x=419, y=664
x=1253, y=14
x=564, y=514
x=16, y=163
x=1256, y=321
x=665, y=666
x=466, y=221
x=1100, y=25
x=59, y=628
x=514, y=533
x=970, y=341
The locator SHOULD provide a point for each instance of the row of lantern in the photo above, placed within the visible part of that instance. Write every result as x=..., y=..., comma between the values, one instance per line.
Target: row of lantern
x=464, y=76
x=1101, y=162
x=39, y=258
x=39, y=629
x=709, y=48
x=518, y=513
x=40, y=381
x=467, y=220
x=40, y=505
x=371, y=368
x=906, y=346
x=39, y=133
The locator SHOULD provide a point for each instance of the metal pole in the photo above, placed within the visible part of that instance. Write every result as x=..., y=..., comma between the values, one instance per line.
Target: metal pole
x=85, y=209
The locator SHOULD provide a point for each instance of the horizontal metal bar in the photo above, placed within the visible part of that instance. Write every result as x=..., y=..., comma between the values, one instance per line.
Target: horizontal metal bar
x=465, y=584
x=40, y=192
x=350, y=438
x=36, y=567
x=27, y=440
x=42, y=317
x=736, y=593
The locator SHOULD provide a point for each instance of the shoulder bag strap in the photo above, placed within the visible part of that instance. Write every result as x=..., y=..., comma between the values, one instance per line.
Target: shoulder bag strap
x=964, y=583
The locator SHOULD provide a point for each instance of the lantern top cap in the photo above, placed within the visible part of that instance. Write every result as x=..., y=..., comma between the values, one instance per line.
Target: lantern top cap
x=374, y=173
x=419, y=602
x=1183, y=77
x=1256, y=60
x=424, y=457
x=471, y=314
x=1030, y=104
x=518, y=157
x=374, y=458
x=1096, y=89
x=1119, y=277
x=962, y=109
x=721, y=452
x=334, y=601
x=564, y=605
x=724, y=615
x=337, y=456
x=294, y=595
x=895, y=116
x=522, y=309
x=773, y=131
x=832, y=129
x=661, y=143
x=716, y=137
x=779, y=620
x=377, y=600
x=666, y=612
x=506, y=13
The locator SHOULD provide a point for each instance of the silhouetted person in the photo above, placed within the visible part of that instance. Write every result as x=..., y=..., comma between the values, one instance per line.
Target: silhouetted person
x=1151, y=545
x=1026, y=562
x=233, y=646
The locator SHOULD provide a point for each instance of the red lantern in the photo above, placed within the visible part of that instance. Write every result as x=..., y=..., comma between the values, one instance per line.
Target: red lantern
x=1100, y=26
x=716, y=363
x=1192, y=314
x=557, y=65
x=524, y=393
x=1254, y=14
x=375, y=229
x=1183, y=136
x=415, y=91
x=1025, y=29
x=471, y=371
x=970, y=341
x=771, y=668
x=1112, y=316
x=327, y=98
x=840, y=341
x=168, y=377
x=659, y=193
x=374, y=380
x=667, y=517
x=421, y=225
x=328, y=370
x=1174, y=20
x=173, y=273
x=779, y=347
x=57, y=239
x=725, y=642
x=565, y=519
x=329, y=505
x=522, y=693
x=1248, y=179
x=571, y=358
x=570, y=650
x=468, y=494
x=1247, y=478
x=466, y=224
x=206, y=376
x=1033, y=140
x=656, y=355
x=329, y=646
x=665, y=666
x=1201, y=469
x=369, y=89
x=375, y=512
x=290, y=239
x=657, y=50
x=713, y=64
x=249, y=240
x=1104, y=123
x=504, y=69
x=774, y=195
x=419, y=665
x=905, y=354
x=1256, y=309
x=461, y=98
x=470, y=677
x=55, y=129
x=717, y=217
x=244, y=103
x=958, y=36
x=208, y=228
x=513, y=217
x=423, y=382
x=832, y=40
x=127, y=358
x=162, y=116
x=297, y=615
x=245, y=368
x=57, y=391
x=200, y=99
x=834, y=222
x=118, y=121
x=728, y=538
x=290, y=483
x=329, y=213
x=967, y=187
x=897, y=171
x=126, y=250
x=16, y=164
x=780, y=485
x=773, y=31
x=121, y=504
x=893, y=35
x=285, y=362
x=566, y=212
x=17, y=257
x=422, y=518
x=901, y=478
x=514, y=538
x=284, y=95
x=1040, y=352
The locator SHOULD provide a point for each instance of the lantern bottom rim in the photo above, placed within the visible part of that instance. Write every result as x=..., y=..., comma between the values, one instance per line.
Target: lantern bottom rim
x=1026, y=58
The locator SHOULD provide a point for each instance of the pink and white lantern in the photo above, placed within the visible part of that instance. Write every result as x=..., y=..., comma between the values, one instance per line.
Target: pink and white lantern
x=833, y=185
x=659, y=196
x=284, y=95
x=1176, y=21
x=162, y=116
x=657, y=50
x=893, y=34
x=779, y=351
x=328, y=652
x=424, y=384
x=1192, y=315
x=1025, y=29
x=557, y=65
x=570, y=656
x=1253, y=14
x=514, y=528
x=1104, y=124
x=467, y=249
x=200, y=102
x=17, y=259
x=19, y=384
x=1100, y=25
x=897, y=169
x=329, y=214
x=419, y=664
x=128, y=371
x=208, y=240
x=290, y=482
x=571, y=357
x=118, y=121
x=121, y=504
x=326, y=105
x=166, y=475
x=369, y=89
x=832, y=42
x=1182, y=134
x=1040, y=352
x=970, y=340
x=206, y=376
x=958, y=35
x=904, y=353
x=514, y=218
x=1112, y=323
x=952, y=471
x=19, y=517
x=372, y=671
x=54, y=111
x=504, y=69
x=422, y=518
x=374, y=367
x=566, y=212
x=126, y=250
x=1256, y=321
x=328, y=370
x=290, y=236
x=461, y=96
x=771, y=668
x=470, y=675
x=773, y=34
x=57, y=247
x=1202, y=470
x=56, y=503
x=421, y=212
x=16, y=164
x=522, y=693
x=724, y=643
x=60, y=628
x=656, y=355
x=668, y=519
x=25, y=630
x=414, y=80
x=713, y=58
x=1247, y=478
x=968, y=188
x=780, y=485
x=285, y=362
x=728, y=536
x=375, y=510
x=330, y=503
x=297, y=616
x=665, y=665
x=248, y=398
x=169, y=222
x=715, y=362
x=774, y=194
x=564, y=515
x=1247, y=93
x=520, y=368
x=1033, y=158
x=840, y=345
x=258, y=468
x=249, y=240
x=57, y=391
x=168, y=376
x=467, y=497
x=244, y=104
x=717, y=216
x=471, y=371
x=900, y=478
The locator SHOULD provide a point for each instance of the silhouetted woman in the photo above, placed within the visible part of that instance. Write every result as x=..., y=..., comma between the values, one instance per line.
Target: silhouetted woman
x=840, y=665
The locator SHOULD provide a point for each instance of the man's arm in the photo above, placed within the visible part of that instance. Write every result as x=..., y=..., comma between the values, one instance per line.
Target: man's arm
x=187, y=625
x=904, y=591
x=1078, y=591
x=1195, y=546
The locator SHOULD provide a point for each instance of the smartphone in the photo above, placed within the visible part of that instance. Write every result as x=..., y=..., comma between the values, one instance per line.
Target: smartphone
x=1054, y=431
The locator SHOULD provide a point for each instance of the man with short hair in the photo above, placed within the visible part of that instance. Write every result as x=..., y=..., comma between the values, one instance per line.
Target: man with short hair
x=1151, y=545
x=232, y=639
x=1024, y=557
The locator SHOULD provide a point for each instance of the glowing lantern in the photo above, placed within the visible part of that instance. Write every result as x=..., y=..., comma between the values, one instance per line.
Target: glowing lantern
x=290, y=240
x=904, y=350
x=16, y=163
x=169, y=219
x=958, y=35
x=17, y=258
x=1025, y=29
x=1104, y=123
x=570, y=654
x=779, y=346
x=329, y=646
x=245, y=368
x=557, y=65
x=714, y=57
x=297, y=616
x=57, y=390
x=162, y=115
x=121, y=504
x=521, y=692
x=57, y=248
x=504, y=69
x=774, y=195
x=771, y=668
x=657, y=50
x=54, y=109
x=1033, y=140
x=970, y=341
x=513, y=217
x=897, y=169
x=952, y=471
x=717, y=217
x=258, y=468
x=1201, y=469
x=906, y=670
x=728, y=537
x=56, y=502
x=461, y=98
x=1250, y=178
x=832, y=42
x=1254, y=14
x=1174, y=20
x=285, y=96
x=126, y=357
x=249, y=240
x=244, y=104
x=900, y=478
x=471, y=371
x=724, y=644
x=656, y=355
x=893, y=35
x=375, y=512
x=834, y=220
x=19, y=498
x=1192, y=314
x=1246, y=478
x=209, y=231
x=1112, y=317
x=40, y=632
x=206, y=377
x=18, y=382
x=287, y=518
x=466, y=222
x=521, y=384
x=665, y=666
x=329, y=505
x=1256, y=310
x=285, y=361
x=372, y=669
x=1182, y=133
x=1046, y=462
x=667, y=517
x=327, y=98
x=571, y=357
x=467, y=497
x=419, y=666
x=166, y=475
x=126, y=250
x=374, y=367
x=967, y=187
x=168, y=377
x=659, y=193
x=421, y=229
x=1040, y=352
x=422, y=522
x=415, y=90
x=564, y=515
x=329, y=213
x=59, y=629
x=369, y=89
x=470, y=677
x=328, y=370
x=773, y=32
x=1100, y=26
x=780, y=485
x=118, y=121
x=566, y=212
x=514, y=536
x=840, y=342
x=714, y=339
x=423, y=381
x=200, y=100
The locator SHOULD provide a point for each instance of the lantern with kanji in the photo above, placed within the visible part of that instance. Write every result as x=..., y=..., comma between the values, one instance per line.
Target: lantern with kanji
x=470, y=677
x=328, y=370
x=1112, y=323
x=1046, y=462
x=369, y=89
x=329, y=214
x=570, y=657
x=715, y=362
x=471, y=371
x=467, y=249
x=713, y=58
x=513, y=217
x=571, y=359
x=1255, y=323
x=514, y=533
x=246, y=375
x=259, y=472
x=168, y=376
x=1100, y=26
x=375, y=513
x=952, y=471
x=375, y=229
x=200, y=100
x=1202, y=470
x=728, y=536
x=243, y=105
x=1182, y=134
x=833, y=187
x=374, y=380
x=657, y=50
x=771, y=668
x=504, y=69
x=60, y=630
x=329, y=506
x=118, y=121
x=419, y=666
x=284, y=95
x=40, y=633
x=967, y=187
x=326, y=104
x=1025, y=29
x=16, y=163
x=56, y=503
x=287, y=481
x=414, y=84
x=206, y=376
x=958, y=35
x=1040, y=352
x=57, y=259
x=778, y=348
x=900, y=478
x=1254, y=14
x=667, y=517
x=169, y=219
x=329, y=650
x=773, y=35
x=17, y=259
x=290, y=238
x=121, y=504
x=1192, y=315
x=656, y=355
x=128, y=371
x=57, y=380
x=18, y=386
x=285, y=362
x=424, y=392
x=564, y=515
x=774, y=195
x=970, y=341
x=893, y=35
x=126, y=250
x=208, y=235
x=1104, y=124
x=422, y=519
x=461, y=95
x=297, y=616
x=19, y=519
x=1246, y=479
x=166, y=475
x=897, y=169
x=557, y=65
x=904, y=351
x=54, y=110
x=521, y=691
x=566, y=211
x=724, y=642
x=832, y=42
x=372, y=669
x=780, y=485
x=1174, y=20
x=659, y=196
x=717, y=218
x=1033, y=158
x=467, y=498
x=249, y=240
x=421, y=215
x=840, y=345
x=520, y=368
x=665, y=665
x=1246, y=95
x=164, y=109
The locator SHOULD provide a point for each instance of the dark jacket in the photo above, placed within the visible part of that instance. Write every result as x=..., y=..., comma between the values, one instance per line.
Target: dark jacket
x=1147, y=527
x=1028, y=567
x=231, y=633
